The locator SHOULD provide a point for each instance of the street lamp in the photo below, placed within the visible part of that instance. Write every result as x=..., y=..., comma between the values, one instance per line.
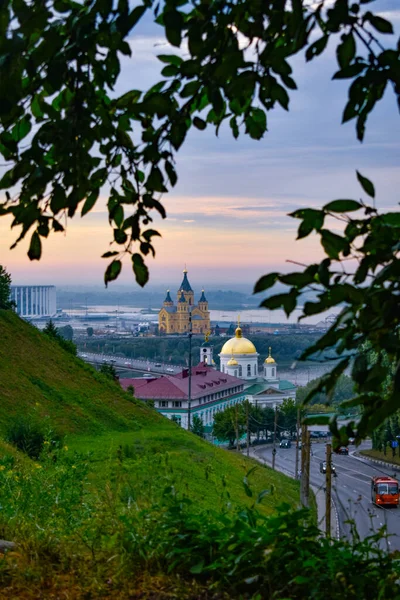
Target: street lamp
x=190, y=368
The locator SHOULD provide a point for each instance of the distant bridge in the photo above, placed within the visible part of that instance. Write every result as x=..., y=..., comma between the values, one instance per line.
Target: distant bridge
x=125, y=364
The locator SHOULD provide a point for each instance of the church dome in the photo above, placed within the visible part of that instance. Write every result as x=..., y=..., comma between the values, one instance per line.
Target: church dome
x=232, y=362
x=238, y=345
x=269, y=360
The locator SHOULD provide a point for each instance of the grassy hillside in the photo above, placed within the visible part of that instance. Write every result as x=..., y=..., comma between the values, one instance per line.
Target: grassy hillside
x=129, y=505
x=103, y=424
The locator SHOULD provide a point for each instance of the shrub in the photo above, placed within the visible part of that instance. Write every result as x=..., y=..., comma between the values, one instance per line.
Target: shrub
x=29, y=436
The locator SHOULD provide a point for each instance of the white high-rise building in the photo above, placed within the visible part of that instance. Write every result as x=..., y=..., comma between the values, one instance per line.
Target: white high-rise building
x=34, y=300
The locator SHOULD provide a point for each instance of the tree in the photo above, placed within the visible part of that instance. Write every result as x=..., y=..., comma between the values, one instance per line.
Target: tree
x=224, y=428
x=89, y=331
x=197, y=426
x=5, y=290
x=56, y=84
x=67, y=333
x=288, y=410
x=51, y=330
x=109, y=371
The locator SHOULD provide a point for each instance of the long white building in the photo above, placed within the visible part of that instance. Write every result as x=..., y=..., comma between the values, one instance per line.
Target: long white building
x=34, y=300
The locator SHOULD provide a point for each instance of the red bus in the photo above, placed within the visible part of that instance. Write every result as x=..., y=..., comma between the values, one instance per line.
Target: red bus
x=385, y=491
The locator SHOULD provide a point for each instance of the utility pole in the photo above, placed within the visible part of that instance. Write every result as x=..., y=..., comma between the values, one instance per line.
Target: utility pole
x=274, y=440
x=247, y=429
x=305, y=467
x=237, y=428
x=328, y=496
x=190, y=368
x=297, y=444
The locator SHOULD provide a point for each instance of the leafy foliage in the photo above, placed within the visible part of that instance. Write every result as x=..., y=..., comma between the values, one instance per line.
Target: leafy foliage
x=66, y=137
x=109, y=371
x=62, y=336
x=368, y=299
x=29, y=435
x=116, y=536
x=197, y=426
x=344, y=390
x=5, y=290
x=229, y=424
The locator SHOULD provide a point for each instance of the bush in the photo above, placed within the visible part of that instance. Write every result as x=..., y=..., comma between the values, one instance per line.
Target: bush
x=29, y=436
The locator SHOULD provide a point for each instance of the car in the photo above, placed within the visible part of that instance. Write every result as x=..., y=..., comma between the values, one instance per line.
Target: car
x=157, y=365
x=322, y=467
x=352, y=440
x=299, y=445
x=285, y=444
x=170, y=370
x=342, y=450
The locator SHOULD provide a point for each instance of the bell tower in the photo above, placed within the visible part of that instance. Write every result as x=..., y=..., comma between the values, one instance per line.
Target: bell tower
x=206, y=351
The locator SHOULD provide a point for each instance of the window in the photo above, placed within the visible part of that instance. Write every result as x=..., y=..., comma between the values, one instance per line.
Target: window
x=235, y=372
x=273, y=372
x=248, y=370
x=240, y=370
x=176, y=403
x=163, y=404
x=255, y=369
x=178, y=419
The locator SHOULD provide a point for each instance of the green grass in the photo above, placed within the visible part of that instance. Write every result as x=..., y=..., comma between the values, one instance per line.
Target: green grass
x=393, y=460
x=39, y=379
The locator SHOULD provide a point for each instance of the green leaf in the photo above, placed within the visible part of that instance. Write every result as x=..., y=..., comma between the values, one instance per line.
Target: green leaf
x=21, y=129
x=140, y=269
x=173, y=22
x=199, y=123
x=197, y=569
x=90, y=202
x=155, y=181
x=380, y=24
x=172, y=176
x=265, y=282
x=391, y=219
x=112, y=271
x=170, y=59
x=317, y=48
x=36, y=108
x=58, y=199
x=366, y=185
x=350, y=71
x=346, y=50
x=341, y=206
x=120, y=236
x=333, y=244
x=35, y=248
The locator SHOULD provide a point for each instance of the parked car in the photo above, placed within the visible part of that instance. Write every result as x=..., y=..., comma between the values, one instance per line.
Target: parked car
x=342, y=450
x=299, y=445
x=285, y=444
x=352, y=440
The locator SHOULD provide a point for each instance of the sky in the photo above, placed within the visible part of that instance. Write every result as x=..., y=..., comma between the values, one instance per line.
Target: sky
x=227, y=215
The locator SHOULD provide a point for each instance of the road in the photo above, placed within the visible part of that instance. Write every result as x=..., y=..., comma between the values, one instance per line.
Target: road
x=351, y=490
x=130, y=364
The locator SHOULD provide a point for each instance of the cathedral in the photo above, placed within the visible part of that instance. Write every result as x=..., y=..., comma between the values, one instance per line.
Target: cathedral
x=175, y=318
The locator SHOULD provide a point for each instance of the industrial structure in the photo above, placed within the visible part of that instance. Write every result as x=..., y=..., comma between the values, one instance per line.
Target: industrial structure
x=34, y=301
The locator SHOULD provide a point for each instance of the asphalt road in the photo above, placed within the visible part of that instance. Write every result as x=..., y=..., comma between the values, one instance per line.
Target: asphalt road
x=351, y=491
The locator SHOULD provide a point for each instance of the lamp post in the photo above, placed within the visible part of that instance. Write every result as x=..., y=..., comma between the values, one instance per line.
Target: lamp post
x=190, y=368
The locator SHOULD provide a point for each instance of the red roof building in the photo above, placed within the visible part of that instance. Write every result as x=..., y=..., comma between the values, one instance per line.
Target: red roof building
x=211, y=392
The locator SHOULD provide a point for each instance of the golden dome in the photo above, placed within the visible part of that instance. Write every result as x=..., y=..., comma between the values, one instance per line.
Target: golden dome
x=232, y=362
x=269, y=360
x=238, y=345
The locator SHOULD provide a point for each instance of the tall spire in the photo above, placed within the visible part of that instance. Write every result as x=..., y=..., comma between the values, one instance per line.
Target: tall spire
x=182, y=298
x=238, y=331
x=185, y=285
x=202, y=297
x=168, y=297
